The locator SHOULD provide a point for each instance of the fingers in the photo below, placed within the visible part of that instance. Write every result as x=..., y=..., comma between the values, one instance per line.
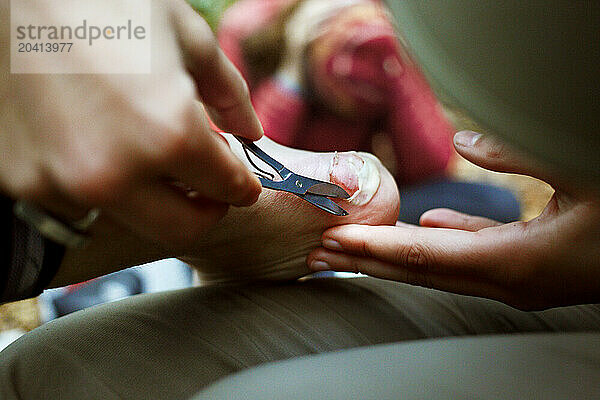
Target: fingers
x=493, y=154
x=164, y=215
x=325, y=260
x=472, y=263
x=220, y=85
x=202, y=160
x=150, y=207
x=429, y=250
x=446, y=218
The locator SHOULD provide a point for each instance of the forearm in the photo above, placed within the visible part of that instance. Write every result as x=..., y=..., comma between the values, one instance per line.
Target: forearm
x=29, y=262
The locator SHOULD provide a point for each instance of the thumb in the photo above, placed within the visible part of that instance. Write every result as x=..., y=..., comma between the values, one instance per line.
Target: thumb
x=430, y=250
x=491, y=153
x=220, y=85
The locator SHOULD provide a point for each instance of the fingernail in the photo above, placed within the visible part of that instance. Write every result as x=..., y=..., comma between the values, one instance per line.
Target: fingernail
x=319, y=266
x=466, y=138
x=332, y=245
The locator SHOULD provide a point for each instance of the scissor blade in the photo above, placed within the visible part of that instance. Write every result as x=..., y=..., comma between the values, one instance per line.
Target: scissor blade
x=324, y=204
x=329, y=190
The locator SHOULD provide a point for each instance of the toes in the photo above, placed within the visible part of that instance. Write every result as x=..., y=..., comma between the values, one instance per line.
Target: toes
x=358, y=173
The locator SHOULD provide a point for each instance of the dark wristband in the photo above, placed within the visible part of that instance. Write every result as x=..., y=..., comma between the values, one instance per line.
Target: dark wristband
x=6, y=228
x=53, y=256
x=29, y=261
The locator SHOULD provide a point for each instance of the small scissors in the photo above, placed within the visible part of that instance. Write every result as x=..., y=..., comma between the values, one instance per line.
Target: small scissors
x=312, y=190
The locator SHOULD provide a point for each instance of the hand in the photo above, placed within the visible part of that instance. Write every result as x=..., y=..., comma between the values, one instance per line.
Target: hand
x=128, y=144
x=552, y=260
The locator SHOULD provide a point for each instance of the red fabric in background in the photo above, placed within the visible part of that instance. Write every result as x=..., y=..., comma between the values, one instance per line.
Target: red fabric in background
x=400, y=104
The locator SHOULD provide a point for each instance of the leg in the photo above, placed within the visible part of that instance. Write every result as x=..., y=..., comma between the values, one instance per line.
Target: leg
x=538, y=366
x=172, y=344
x=274, y=236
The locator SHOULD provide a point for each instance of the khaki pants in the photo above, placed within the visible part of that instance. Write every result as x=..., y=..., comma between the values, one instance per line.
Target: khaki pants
x=173, y=345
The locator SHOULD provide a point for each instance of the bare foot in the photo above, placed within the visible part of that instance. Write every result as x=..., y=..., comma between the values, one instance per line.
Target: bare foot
x=271, y=239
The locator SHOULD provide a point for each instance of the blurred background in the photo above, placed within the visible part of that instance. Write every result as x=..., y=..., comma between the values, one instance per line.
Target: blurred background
x=324, y=75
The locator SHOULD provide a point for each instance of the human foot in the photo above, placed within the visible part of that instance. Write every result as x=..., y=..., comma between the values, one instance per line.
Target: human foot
x=271, y=239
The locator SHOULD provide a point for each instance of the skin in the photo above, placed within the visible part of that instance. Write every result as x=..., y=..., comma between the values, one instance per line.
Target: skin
x=148, y=145
x=266, y=241
x=119, y=142
x=271, y=239
x=552, y=260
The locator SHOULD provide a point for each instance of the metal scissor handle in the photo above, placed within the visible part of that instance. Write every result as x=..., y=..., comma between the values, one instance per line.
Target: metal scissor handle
x=298, y=184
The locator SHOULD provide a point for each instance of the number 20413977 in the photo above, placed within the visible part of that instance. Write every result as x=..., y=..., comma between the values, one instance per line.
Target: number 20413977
x=41, y=47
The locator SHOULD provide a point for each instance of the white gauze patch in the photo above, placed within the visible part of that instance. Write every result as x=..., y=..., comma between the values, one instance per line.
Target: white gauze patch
x=364, y=167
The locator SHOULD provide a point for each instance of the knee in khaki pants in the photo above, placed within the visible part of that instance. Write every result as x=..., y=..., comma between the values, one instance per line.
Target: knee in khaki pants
x=173, y=344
